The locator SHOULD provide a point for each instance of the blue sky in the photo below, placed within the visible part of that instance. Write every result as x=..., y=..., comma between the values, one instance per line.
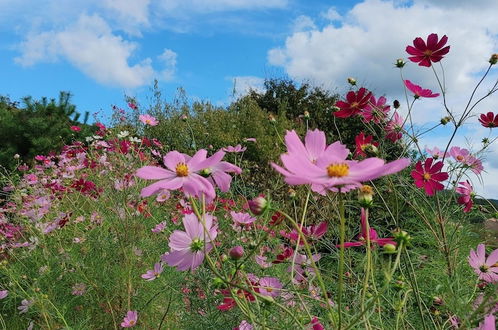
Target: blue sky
x=100, y=50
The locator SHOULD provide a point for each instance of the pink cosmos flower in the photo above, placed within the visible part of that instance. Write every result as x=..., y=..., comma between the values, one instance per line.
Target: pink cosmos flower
x=435, y=152
x=187, y=248
x=270, y=286
x=75, y=128
x=419, y=91
x=244, y=325
x=148, y=120
x=250, y=140
x=489, y=323
x=25, y=304
x=487, y=269
x=130, y=320
x=374, y=238
x=151, y=275
x=330, y=169
x=315, y=232
x=429, y=176
x=237, y=148
x=159, y=227
x=163, y=195
x=354, y=104
x=242, y=218
x=394, y=128
x=426, y=53
x=217, y=171
x=78, y=289
x=4, y=293
x=302, y=267
x=475, y=165
x=315, y=324
x=182, y=171
x=467, y=192
x=375, y=110
x=461, y=155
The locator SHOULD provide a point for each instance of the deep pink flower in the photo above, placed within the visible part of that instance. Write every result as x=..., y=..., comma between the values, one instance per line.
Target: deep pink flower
x=75, y=128
x=354, y=104
x=302, y=267
x=237, y=148
x=187, y=248
x=475, y=165
x=394, y=128
x=148, y=120
x=330, y=170
x=435, y=152
x=315, y=324
x=216, y=171
x=426, y=53
x=419, y=91
x=365, y=145
x=429, y=176
x=374, y=238
x=315, y=232
x=467, y=192
x=489, y=120
x=242, y=218
x=130, y=320
x=486, y=268
x=375, y=110
x=181, y=171
x=270, y=286
x=151, y=275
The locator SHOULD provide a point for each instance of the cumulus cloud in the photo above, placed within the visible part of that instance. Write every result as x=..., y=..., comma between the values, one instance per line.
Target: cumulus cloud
x=130, y=15
x=208, y=6
x=242, y=85
x=91, y=46
x=168, y=58
x=303, y=23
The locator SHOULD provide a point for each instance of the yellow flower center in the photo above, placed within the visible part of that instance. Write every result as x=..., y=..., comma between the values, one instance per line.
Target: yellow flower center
x=428, y=52
x=427, y=176
x=354, y=104
x=182, y=169
x=366, y=189
x=459, y=157
x=338, y=170
x=269, y=289
x=132, y=322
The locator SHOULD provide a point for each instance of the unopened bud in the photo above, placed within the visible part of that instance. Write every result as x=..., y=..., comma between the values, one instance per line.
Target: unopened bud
x=306, y=115
x=370, y=150
x=236, y=252
x=402, y=237
x=184, y=117
x=205, y=172
x=493, y=59
x=389, y=248
x=437, y=301
x=335, y=108
x=272, y=118
x=365, y=196
x=258, y=205
x=396, y=104
x=400, y=63
x=445, y=120
x=218, y=282
x=352, y=81
x=16, y=156
x=292, y=193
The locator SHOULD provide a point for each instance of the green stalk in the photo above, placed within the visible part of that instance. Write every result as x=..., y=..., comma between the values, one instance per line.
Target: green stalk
x=342, y=234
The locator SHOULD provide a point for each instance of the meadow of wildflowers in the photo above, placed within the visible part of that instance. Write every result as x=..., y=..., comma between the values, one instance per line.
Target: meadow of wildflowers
x=120, y=229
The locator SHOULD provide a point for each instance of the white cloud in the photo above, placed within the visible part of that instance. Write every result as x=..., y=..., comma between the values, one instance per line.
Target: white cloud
x=332, y=15
x=91, y=46
x=168, y=57
x=242, y=85
x=130, y=15
x=303, y=23
x=209, y=6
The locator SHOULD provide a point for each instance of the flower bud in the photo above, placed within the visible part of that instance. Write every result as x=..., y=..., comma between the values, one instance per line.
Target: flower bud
x=352, y=81
x=370, y=150
x=365, y=196
x=445, y=120
x=218, y=282
x=389, y=248
x=16, y=156
x=258, y=205
x=224, y=257
x=400, y=63
x=493, y=59
x=396, y=104
x=236, y=252
x=291, y=193
x=205, y=172
x=335, y=108
x=306, y=115
x=272, y=118
x=437, y=300
x=184, y=117
x=402, y=237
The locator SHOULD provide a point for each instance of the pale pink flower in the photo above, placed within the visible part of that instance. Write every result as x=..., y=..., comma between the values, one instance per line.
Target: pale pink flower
x=489, y=323
x=130, y=320
x=270, y=286
x=159, y=227
x=250, y=140
x=461, y=155
x=163, y=195
x=466, y=192
x=394, y=128
x=242, y=218
x=151, y=275
x=475, y=165
x=182, y=171
x=4, y=293
x=187, y=248
x=78, y=289
x=25, y=304
x=244, y=325
x=237, y=148
x=435, y=152
x=486, y=268
x=148, y=120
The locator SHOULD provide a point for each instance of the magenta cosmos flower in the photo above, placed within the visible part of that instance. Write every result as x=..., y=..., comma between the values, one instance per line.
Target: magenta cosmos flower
x=419, y=91
x=489, y=120
x=486, y=268
x=182, y=171
x=365, y=145
x=466, y=192
x=270, y=286
x=429, y=176
x=148, y=120
x=187, y=248
x=375, y=110
x=426, y=53
x=326, y=167
x=354, y=104
x=130, y=320
x=151, y=275
x=374, y=237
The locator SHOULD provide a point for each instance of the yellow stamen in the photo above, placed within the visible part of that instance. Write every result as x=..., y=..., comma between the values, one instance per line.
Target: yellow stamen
x=459, y=157
x=182, y=169
x=338, y=170
x=427, y=176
